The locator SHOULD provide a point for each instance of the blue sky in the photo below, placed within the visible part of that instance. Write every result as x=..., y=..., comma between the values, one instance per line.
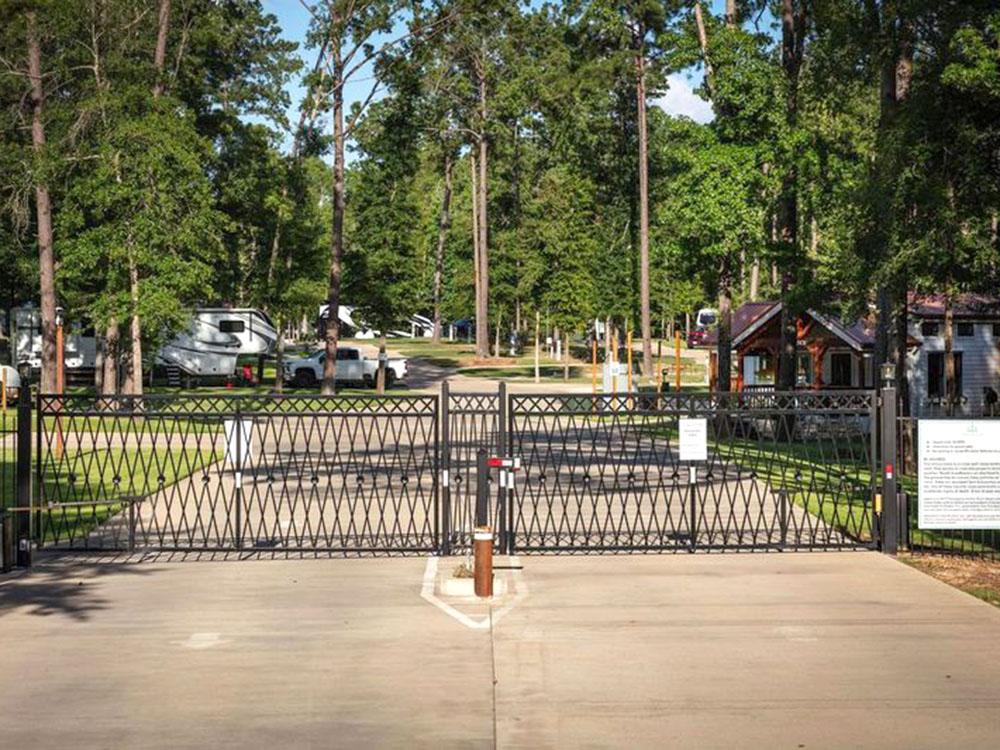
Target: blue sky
x=293, y=18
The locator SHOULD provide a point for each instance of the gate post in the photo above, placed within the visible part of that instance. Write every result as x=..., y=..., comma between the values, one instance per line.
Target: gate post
x=889, y=525
x=23, y=514
x=445, y=457
x=482, y=517
x=238, y=427
x=503, y=496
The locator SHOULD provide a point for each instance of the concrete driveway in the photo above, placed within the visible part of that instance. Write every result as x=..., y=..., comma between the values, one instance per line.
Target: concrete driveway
x=752, y=650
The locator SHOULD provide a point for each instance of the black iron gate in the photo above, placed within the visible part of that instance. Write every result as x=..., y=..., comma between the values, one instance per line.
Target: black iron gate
x=604, y=474
x=340, y=474
x=396, y=474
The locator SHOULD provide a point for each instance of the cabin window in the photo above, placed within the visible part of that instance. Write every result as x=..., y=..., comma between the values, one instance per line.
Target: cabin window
x=936, y=374
x=928, y=329
x=996, y=330
x=232, y=326
x=965, y=330
x=841, y=369
x=347, y=354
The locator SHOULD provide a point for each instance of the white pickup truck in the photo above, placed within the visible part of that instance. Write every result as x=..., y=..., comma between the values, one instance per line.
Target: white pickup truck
x=352, y=367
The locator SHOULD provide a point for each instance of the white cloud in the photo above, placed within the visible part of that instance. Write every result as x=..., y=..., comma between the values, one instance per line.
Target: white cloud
x=681, y=101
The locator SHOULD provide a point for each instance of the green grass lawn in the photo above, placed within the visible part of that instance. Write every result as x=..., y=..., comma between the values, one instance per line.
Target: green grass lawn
x=89, y=478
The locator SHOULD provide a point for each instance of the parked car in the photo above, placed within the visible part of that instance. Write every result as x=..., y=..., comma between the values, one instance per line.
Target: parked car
x=352, y=367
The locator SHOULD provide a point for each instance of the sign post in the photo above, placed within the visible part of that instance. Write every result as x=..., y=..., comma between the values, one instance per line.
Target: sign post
x=693, y=433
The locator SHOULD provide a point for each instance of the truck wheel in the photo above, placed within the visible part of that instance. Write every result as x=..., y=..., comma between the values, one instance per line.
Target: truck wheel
x=304, y=379
x=367, y=381
x=390, y=378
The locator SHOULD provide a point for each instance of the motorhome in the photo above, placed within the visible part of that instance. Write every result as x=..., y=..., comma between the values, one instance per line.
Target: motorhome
x=208, y=347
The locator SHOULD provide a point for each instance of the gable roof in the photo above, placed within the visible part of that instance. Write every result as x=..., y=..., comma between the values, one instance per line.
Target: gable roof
x=966, y=305
x=752, y=316
x=749, y=314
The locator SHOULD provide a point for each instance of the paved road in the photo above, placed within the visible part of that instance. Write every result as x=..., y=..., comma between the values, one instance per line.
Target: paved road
x=752, y=650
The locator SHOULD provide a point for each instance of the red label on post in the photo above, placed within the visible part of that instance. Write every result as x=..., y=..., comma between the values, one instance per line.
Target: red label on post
x=888, y=471
x=494, y=462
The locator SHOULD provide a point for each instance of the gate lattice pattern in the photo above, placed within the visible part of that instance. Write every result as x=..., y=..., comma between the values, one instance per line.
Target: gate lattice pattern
x=474, y=423
x=602, y=473
x=363, y=474
x=339, y=474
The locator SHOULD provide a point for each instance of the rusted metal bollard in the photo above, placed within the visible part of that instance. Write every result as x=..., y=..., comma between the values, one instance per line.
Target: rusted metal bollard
x=482, y=535
x=482, y=551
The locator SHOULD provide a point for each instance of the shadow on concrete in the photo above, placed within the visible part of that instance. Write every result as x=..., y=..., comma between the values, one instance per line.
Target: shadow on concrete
x=61, y=587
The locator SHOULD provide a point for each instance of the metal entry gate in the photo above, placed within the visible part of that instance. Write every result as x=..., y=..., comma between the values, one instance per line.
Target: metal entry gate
x=603, y=473
x=339, y=474
x=396, y=474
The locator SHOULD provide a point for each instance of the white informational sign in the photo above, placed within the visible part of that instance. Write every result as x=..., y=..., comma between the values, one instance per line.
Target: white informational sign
x=239, y=442
x=959, y=474
x=694, y=439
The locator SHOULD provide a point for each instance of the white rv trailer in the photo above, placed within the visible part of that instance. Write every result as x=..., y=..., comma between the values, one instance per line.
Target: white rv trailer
x=201, y=350
x=208, y=347
x=80, y=347
x=253, y=328
x=214, y=339
x=351, y=325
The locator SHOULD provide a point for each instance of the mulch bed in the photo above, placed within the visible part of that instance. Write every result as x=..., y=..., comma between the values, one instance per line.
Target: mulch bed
x=976, y=576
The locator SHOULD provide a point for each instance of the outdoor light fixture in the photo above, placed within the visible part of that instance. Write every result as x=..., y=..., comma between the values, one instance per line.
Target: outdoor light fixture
x=60, y=312
x=888, y=373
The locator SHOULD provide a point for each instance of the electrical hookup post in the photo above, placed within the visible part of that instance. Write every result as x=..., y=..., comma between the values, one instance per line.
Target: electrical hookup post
x=692, y=453
x=483, y=533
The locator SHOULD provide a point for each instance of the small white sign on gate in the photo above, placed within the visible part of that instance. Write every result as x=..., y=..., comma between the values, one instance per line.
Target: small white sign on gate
x=694, y=439
x=239, y=442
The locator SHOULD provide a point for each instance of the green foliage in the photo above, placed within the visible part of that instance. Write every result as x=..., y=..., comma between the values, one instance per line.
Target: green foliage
x=143, y=201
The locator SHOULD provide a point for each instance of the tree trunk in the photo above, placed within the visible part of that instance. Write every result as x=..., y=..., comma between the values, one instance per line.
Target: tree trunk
x=98, y=363
x=566, y=356
x=160, y=55
x=444, y=222
x=788, y=347
x=499, y=318
x=793, y=27
x=329, y=385
x=640, y=95
x=380, y=372
x=43, y=213
x=279, y=355
x=538, y=324
x=109, y=381
x=134, y=386
x=950, y=384
x=754, y=281
x=902, y=336
x=482, y=310
x=724, y=348
x=477, y=286
x=699, y=21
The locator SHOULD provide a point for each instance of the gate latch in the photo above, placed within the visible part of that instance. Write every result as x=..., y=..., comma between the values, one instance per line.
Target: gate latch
x=508, y=467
